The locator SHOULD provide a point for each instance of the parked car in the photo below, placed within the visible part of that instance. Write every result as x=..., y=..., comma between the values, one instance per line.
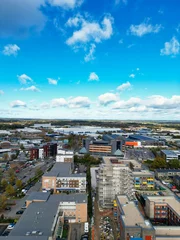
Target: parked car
x=19, y=212
x=8, y=208
x=10, y=226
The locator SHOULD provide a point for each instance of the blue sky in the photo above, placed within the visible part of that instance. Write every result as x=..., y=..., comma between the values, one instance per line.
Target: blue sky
x=82, y=59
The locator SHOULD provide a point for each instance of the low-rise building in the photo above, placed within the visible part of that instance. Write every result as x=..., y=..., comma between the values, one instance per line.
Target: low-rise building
x=163, y=209
x=176, y=180
x=65, y=156
x=170, y=154
x=61, y=179
x=143, y=180
x=42, y=220
x=133, y=225
x=164, y=173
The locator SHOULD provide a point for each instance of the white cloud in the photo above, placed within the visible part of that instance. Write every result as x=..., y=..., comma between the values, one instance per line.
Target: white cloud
x=79, y=102
x=17, y=103
x=90, y=56
x=92, y=31
x=124, y=86
x=131, y=45
x=93, y=77
x=107, y=98
x=44, y=105
x=1, y=92
x=75, y=21
x=160, y=11
x=121, y=41
x=122, y=104
x=132, y=75
x=18, y=18
x=178, y=28
x=138, y=109
x=52, y=81
x=137, y=69
x=67, y=4
x=24, y=78
x=144, y=28
x=120, y=1
x=11, y=49
x=58, y=102
x=171, y=48
x=32, y=88
x=158, y=101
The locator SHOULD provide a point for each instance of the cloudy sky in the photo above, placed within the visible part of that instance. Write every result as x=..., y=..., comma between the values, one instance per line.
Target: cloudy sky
x=87, y=59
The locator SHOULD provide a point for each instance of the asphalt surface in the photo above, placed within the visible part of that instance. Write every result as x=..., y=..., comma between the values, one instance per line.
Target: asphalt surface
x=37, y=187
x=77, y=230
x=139, y=154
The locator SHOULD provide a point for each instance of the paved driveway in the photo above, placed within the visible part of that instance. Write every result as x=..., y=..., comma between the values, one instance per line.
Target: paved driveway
x=77, y=229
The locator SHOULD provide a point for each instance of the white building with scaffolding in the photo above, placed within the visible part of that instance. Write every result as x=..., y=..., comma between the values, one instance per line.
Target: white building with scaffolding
x=114, y=179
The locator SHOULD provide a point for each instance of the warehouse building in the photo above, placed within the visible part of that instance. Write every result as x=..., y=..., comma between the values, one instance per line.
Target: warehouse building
x=164, y=173
x=170, y=154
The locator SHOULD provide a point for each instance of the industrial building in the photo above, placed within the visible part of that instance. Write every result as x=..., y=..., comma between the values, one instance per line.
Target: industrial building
x=114, y=179
x=61, y=179
x=44, y=220
x=170, y=154
x=145, y=140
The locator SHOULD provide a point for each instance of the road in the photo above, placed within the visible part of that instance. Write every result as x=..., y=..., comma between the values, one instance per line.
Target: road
x=169, y=192
x=20, y=202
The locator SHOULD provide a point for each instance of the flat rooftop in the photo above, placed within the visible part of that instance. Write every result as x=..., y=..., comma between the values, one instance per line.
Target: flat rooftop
x=172, y=201
x=109, y=160
x=171, y=153
x=167, y=231
x=61, y=169
x=143, y=173
x=39, y=216
x=43, y=196
x=77, y=198
x=132, y=215
x=167, y=170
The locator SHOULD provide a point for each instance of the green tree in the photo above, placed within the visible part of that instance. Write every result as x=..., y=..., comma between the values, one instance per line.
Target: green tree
x=5, y=156
x=22, y=147
x=38, y=172
x=174, y=163
x=13, y=156
x=19, y=184
x=10, y=190
x=3, y=202
x=158, y=163
x=4, y=183
x=11, y=176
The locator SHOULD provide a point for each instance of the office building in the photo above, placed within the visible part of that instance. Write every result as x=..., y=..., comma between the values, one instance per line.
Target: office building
x=108, y=145
x=61, y=179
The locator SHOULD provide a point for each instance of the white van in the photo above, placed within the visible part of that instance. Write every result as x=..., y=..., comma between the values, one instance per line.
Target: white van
x=86, y=227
